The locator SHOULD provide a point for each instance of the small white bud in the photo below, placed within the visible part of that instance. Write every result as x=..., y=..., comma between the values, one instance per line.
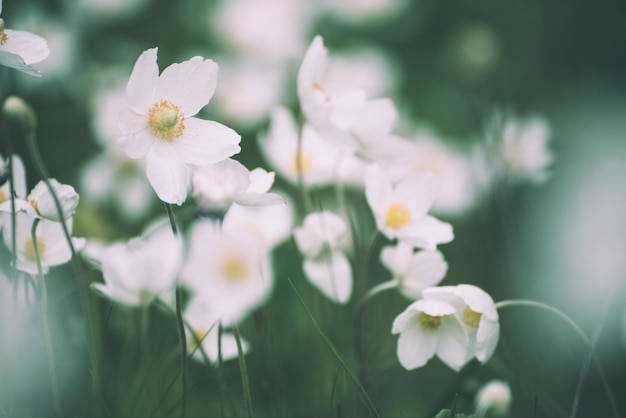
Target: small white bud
x=495, y=396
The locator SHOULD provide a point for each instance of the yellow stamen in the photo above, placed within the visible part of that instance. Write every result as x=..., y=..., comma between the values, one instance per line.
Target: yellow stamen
x=3, y=35
x=429, y=323
x=397, y=216
x=29, y=248
x=317, y=86
x=302, y=164
x=3, y=196
x=196, y=339
x=33, y=203
x=166, y=121
x=234, y=269
x=471, y=317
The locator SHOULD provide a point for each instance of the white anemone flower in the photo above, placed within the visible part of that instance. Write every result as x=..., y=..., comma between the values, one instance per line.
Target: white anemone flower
x=20, y=49
x=204, y=324
x=219, y=185
x=321, y=240
x=42, y=202
x=413, y=271
x=228, y=269
x=477, y=311
x=401, y=210
x=53, y=248
x=428, y=327
x=137, y=272
x=159, y=123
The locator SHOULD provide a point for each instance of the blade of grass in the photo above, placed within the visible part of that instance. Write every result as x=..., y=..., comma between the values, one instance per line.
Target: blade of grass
x=355, y=381
x=244, y=373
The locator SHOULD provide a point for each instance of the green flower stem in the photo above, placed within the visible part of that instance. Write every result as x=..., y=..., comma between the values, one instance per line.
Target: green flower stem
x=247, y=399
x=44, y=319
x=577, y=329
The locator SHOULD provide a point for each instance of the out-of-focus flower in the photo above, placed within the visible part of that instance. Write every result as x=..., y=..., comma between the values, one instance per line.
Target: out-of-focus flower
x=205, y=326
x=19, y=179
x=494, y=397
x=42, y=202
x=227, y=269
x=20, y=49
x=218, y=185
x=413, y=271
x=51, y=243
x=428, y=327
x=321, y=240
x=522, y=149
x=401, y=210
x=137, y=272
x=477, y=311
x=108, y=9
x=159, y=123
x=366, y=11
x=343, y=115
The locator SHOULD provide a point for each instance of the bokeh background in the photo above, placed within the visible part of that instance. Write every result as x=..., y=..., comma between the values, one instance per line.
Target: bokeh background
x=448, y=65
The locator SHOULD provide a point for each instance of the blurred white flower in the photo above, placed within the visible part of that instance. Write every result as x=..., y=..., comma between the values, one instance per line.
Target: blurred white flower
x=477, y=311
x=19, y=49
x=228, y=269
x=217, y=186
x=366, y=11
x=322, y=239
x=41, y=201
x=108, y=9
x=401, y=210
x=413, y=271
x=159, y=123
x=53, y=248
x=428, y=327
x=137, y=272
x=494, y=397
x=19, y=179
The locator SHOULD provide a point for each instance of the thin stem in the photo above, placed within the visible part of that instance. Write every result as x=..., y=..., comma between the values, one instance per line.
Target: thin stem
x=170, y=215
x=578, y=330
x=244, y=373
x=44, y=319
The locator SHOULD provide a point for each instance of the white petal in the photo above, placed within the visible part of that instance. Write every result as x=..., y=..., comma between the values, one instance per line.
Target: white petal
x=418, y=191
x=143, y=81
x=427, y=233
x=32, y=48
x=332, y=276
x=206, y=142
x=136, y=137
x=416, y=347
x=260, y=180
x=313, y=66
x=378, y=189
x=188, y=85
x=167, y=174
x=478, y=300
x=427, y=269
x=259, y=199
x=486, y=339
x=453, y=343
x=11, y=60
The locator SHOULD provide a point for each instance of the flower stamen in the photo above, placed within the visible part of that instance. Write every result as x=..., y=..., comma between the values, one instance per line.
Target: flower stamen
x=234, y=269
x=397, y=216
x=29, y=248
x=166, y=121
x=3, y=35
x=302, y=164
x=428, y=322
x=471, y=318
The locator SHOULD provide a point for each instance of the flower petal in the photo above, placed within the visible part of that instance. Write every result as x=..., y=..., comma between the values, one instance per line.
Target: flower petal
x=11, y=60
x=427, y=233
x=206, y=142
x=167, y=174
x=30, y=47
x=142, y=82
x=188, y=85
x=135, y=137
x=418, y=191
x=332, y=276
x=378, y=190
x=453, y=343
x=416, y=347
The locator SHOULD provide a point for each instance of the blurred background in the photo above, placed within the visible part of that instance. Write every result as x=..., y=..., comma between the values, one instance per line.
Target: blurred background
x=448, y=66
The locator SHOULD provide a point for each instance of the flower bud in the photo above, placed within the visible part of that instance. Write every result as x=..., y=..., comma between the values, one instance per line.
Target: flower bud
x=20, y=112
x=495, y=397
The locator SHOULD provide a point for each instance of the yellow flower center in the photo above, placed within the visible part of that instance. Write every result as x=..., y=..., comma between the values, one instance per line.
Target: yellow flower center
x=3, y=196
x=397, y=216
x=428, y=322
x=166, y=121
x=3, y=35
x=234, y=269
x=302, y=164
x=33, y=203
x=471, y=318
x=196, y=339
x=29, y=248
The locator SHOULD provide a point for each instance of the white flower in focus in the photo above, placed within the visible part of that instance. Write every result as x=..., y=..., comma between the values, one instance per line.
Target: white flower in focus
x=159, y=123
x=321, y=240
x=137, y=272
x=477, y=311
x=205, y=326
x=227, y=269
x=413, y=271
x=428, y=327
x=494, y=397
x=41, y=201
x=217, y=186
x=21, y=49
x=53, y=248
x=401, y=210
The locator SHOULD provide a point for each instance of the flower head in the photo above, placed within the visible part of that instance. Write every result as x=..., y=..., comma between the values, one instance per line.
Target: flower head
x=42, y=201
x=21, y=49
x=159, y=124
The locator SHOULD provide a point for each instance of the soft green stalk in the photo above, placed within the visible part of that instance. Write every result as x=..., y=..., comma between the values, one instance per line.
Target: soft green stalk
x=247, y=399
x=578, y=330
x=44, y=319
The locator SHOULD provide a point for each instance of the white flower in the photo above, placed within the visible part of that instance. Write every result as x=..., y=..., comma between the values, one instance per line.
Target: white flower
x=19, y=179
x=20, y=49
x=51, y=243
x=321, y=240
x=217, y=186
x=42, y=201
x=159, y=123
x=137, y=272
x=401, y=210
x=494, y=397
x=228, y=269
x=413, y=271
x=477, y=311
x=428, y=327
